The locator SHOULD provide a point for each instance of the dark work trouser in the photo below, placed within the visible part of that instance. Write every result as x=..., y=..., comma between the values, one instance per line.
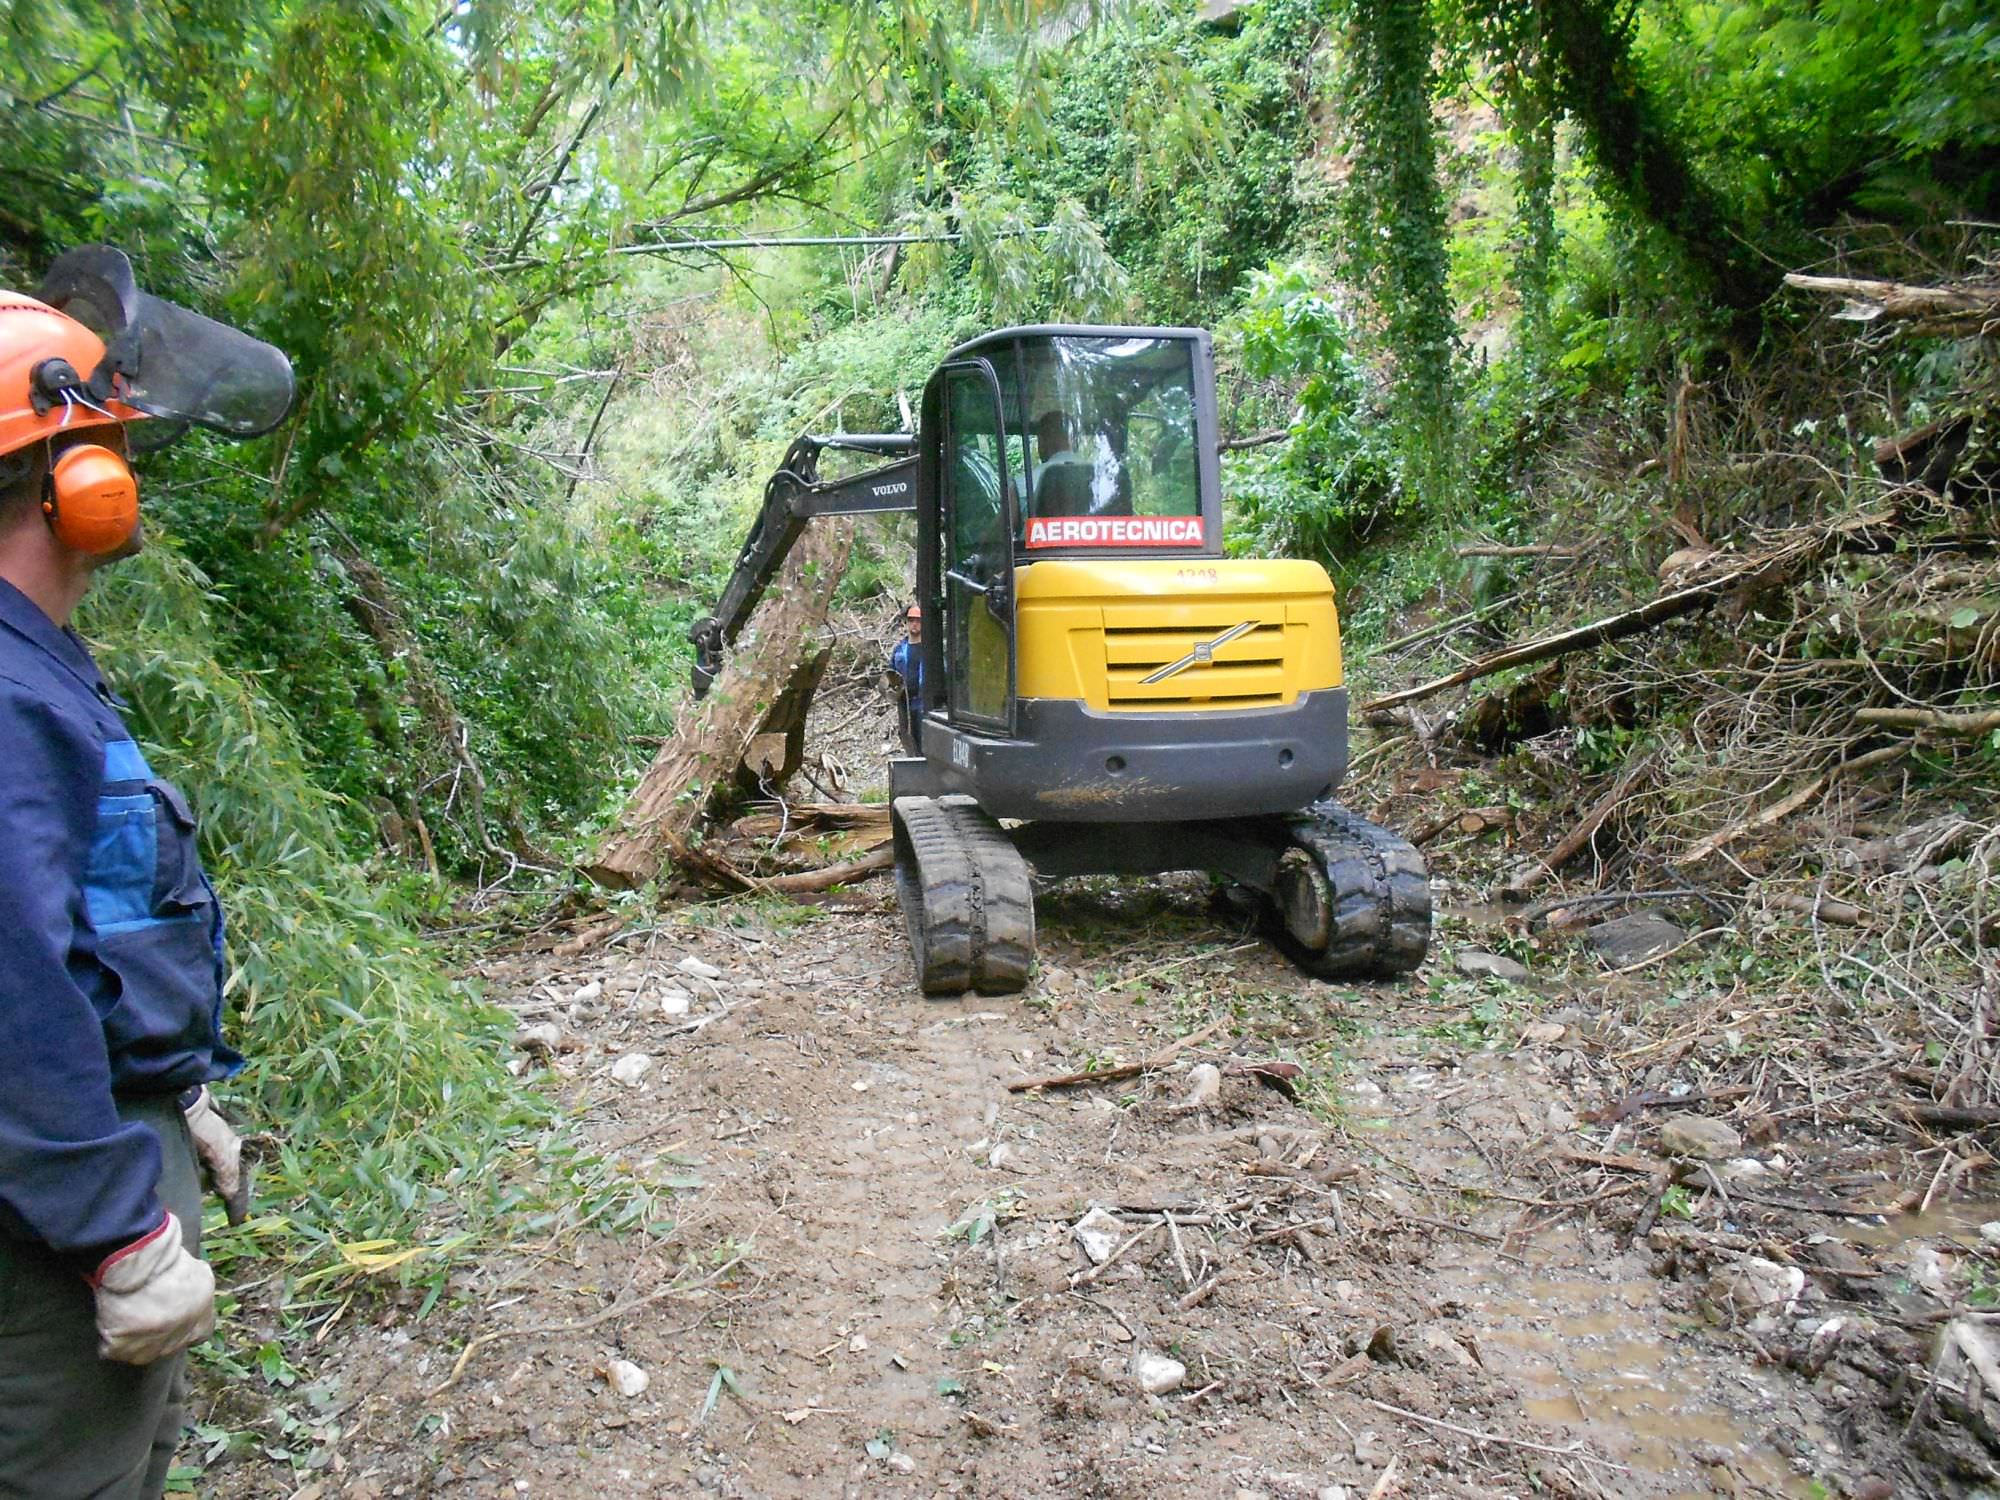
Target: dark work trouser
x=73, y=1426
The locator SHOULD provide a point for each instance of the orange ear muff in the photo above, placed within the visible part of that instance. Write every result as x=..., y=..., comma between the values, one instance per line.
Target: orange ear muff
x=92, y=500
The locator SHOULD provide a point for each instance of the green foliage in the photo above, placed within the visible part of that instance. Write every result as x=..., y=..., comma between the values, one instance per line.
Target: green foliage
x=1395, y=235
x=1339, y=475
x=374, y=1074
x=1181, y=142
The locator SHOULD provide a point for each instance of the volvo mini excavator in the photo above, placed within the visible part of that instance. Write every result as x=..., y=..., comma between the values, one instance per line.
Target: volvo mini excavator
x=1107, y=693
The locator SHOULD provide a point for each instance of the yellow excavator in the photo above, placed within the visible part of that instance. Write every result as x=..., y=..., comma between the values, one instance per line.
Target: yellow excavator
x=1107, y=693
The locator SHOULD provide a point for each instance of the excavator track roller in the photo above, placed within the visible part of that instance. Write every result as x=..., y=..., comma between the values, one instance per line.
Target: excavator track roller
x=967, y=897
x=1353, y=899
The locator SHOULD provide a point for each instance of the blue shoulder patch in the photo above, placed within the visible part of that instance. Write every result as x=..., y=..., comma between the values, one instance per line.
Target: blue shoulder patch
x=123, y=762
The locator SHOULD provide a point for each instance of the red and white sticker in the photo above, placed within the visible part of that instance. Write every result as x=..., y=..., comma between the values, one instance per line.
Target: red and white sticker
x=1114, y=531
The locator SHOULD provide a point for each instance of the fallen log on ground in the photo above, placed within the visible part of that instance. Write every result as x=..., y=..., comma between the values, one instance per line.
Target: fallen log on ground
x=699, y=859
x=1964, y=308
x=1573, y=843
x=1785, y=806
x=800, y=816
x=713, y=739
x=1775, y=563
x=1971, y=725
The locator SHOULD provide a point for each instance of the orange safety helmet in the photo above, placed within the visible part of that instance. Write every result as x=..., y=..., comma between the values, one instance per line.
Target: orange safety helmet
x=46, y=357
x=93, y=351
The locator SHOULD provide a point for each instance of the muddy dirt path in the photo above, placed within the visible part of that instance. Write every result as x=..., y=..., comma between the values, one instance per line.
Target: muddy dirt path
x=867, y=1274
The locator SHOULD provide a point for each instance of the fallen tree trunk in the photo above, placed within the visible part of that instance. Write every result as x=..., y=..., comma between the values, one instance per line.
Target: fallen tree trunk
x=1749, y=574
x=1967, y=308
x=1572, y=843
x=779, y=747
x=702, y=861
x=1797, y=800
x=801, y=816
x=712, y=740
x=1971, y=725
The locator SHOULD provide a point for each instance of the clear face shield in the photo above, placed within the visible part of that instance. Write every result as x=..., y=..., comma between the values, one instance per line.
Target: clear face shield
x=170, y=363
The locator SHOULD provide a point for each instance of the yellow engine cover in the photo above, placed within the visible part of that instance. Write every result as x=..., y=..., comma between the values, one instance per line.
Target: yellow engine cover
x=1157, y=635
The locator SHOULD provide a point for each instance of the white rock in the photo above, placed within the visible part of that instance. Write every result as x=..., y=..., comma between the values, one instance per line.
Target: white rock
x=516, y=1067
x=1204, y=1086
x=1477, y=963
x=1746, y=1170
x=1099, y=1233
x=1753, y=1286
x=675, y=1003
x=627, y=1379
x=631, y=1069
x=544, y=1036
x=699, y=970
x=1157, y=1374
x=902, y=1463
x=858, y=1344
x=1990, y=1231
x=587, y=993
x=1931, y=1271
x=1333, y=1492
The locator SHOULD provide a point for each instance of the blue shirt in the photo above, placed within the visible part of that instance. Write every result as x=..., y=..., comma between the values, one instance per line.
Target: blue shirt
x=111, y=961
x=908, y=662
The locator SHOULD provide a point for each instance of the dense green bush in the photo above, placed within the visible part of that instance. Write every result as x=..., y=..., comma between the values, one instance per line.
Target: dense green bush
x=374, y=1075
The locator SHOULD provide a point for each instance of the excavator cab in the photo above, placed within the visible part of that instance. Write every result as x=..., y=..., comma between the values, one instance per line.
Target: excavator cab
x=1054, y=443
x=1107, y=693
x=1100, y=660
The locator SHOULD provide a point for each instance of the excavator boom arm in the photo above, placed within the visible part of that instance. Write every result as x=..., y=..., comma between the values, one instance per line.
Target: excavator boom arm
x=792, y=497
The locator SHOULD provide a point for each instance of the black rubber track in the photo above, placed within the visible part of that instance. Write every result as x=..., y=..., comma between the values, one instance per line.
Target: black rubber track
x=966, y=897
x=1006, y=952
x=1381, y=908
x=939, y=894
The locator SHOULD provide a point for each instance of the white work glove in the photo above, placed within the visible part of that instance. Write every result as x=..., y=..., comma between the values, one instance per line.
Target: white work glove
x=153, y=1298
x=221, y=1151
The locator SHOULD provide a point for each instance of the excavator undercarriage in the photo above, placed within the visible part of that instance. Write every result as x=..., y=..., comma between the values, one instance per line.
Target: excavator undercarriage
x=1343, y=897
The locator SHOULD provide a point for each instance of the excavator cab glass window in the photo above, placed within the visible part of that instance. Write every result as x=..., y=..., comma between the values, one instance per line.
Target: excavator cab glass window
x=1110, y=424
x=979, y=556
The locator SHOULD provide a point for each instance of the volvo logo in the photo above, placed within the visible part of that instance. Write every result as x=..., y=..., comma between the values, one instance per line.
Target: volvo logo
x=1203, y=654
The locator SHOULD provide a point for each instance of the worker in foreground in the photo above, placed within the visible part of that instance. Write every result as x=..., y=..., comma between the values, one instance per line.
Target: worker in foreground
x=111, y=956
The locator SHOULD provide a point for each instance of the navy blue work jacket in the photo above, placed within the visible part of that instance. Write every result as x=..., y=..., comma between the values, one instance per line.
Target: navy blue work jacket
x=111, y=960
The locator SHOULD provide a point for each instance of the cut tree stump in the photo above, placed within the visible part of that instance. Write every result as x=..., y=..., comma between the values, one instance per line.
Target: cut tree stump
x=713, y=738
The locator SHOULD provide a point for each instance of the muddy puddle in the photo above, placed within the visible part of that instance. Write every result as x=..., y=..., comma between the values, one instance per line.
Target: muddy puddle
x=1595, y=1352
